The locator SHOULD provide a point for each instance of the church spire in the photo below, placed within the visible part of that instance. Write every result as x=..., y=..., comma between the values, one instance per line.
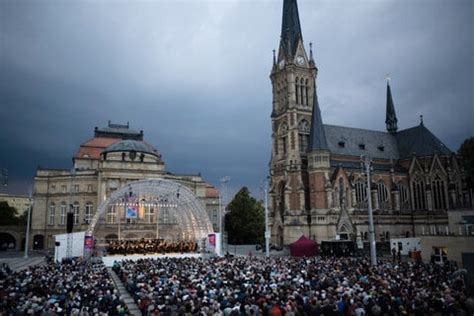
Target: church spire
x=391, y=117
x=317, y=136
x=290, y=28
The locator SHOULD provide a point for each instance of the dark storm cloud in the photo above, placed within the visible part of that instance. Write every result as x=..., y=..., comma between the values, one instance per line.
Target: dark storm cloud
x=194, y=76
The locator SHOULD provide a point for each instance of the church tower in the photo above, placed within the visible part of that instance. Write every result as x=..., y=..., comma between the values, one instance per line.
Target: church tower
x=293, y=79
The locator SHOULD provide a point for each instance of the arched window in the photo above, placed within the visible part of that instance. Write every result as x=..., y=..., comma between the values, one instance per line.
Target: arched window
x=418, y=189
x=283, y=139
x=88, y=212
x=342, y=193
x=303, y=133
x=306, y=92
x=52, y=214
x=75, y=208
x=404, y=196
x=382, y=196
x=62, y=217
x=302, y=95
x=297, y=88
x=361, y=194
x=439, y=196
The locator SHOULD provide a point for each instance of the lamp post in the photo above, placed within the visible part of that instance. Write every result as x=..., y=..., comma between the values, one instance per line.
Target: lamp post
x=28, y=223
x=222, y=207
x=267, y=232
x=373, y=255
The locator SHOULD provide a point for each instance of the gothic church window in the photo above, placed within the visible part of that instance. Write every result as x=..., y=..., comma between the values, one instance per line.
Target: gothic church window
x=404, y=196
x=302, y=90
x=303, y=133
x=382, y=195
x=297, y=88
x=306, y=92
x=361, y=194
x=439, y=197
x=418, y=188
x=283, y=139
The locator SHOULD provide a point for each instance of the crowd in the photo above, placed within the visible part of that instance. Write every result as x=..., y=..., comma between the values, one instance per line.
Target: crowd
x=149, y=246
x=74, y=287
x=289, y=286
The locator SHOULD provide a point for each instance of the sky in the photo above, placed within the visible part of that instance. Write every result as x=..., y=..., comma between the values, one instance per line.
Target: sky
x=194, y=76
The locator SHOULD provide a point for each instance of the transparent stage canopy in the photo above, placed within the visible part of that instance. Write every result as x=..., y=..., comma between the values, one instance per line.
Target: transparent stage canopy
x=155, y=208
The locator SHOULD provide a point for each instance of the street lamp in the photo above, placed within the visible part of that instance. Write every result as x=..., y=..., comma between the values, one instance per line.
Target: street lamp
x=373, y=255
x=222, y=206
x=267, y=231
x=28, y=223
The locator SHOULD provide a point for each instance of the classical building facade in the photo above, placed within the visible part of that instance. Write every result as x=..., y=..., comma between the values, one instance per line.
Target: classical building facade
x=318, y=186
x=114, y=157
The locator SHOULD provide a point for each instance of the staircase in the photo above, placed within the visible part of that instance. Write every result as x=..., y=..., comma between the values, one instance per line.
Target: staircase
x=131, y=305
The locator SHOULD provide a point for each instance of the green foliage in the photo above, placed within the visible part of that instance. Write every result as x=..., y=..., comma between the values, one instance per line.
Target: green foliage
x=9, y=215
x=245, y=223
x=466, y=158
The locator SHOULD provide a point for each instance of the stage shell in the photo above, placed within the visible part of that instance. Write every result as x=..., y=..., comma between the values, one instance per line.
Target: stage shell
x=190, y=214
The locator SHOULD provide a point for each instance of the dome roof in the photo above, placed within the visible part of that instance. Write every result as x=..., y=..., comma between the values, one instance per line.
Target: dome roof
x=132, y=145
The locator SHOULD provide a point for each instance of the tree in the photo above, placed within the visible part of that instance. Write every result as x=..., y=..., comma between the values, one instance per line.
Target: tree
x=245, y=223
x=466, y=158
x=9, y=215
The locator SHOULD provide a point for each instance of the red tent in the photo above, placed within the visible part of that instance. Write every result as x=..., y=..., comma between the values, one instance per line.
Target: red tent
x=304, y=247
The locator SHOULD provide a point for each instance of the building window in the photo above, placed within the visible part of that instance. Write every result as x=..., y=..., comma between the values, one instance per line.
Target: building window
x=52, y=214
x=439, y=196
x=303, y=133
x=302, y=91
x=89, y=188
x=149, y=214
x=361, y=194
x=166, y=216
x=306, y=92
x=62, y=217
x=64, y=188
x=418, y=188
x=215, y=217
x=76, y=188
x=88, y=212
x=111, y=214
x=53, y=189
x=75, y=208
x=297, y=88
x=283, y=138
x=382, y=196
x=404, y=197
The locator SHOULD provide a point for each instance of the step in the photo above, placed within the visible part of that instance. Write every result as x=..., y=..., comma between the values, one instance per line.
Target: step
x=127, y=299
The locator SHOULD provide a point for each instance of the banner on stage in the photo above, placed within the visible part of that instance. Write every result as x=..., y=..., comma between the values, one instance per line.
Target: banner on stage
x=88, y=242
x=132, y=212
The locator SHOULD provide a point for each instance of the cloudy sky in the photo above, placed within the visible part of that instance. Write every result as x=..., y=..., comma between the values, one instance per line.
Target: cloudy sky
x=194, y=75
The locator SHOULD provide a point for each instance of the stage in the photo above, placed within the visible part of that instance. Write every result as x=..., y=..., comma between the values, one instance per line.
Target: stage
x=109, y=260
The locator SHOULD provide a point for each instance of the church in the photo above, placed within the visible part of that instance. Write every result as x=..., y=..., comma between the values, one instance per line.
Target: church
x=318, y=185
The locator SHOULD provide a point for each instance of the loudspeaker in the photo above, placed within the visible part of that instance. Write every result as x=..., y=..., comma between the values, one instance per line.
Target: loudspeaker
x=70, y=222
x=57, y=244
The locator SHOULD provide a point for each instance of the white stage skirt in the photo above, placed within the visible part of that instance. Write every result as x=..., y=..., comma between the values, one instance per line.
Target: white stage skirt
x=109, y=260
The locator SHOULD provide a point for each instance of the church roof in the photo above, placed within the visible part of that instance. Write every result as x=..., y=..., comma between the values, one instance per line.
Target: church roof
x=317, y=135
x=349, y=141
x=290, y=28
x=356, y=142
x=131, y=145
x=419, y=141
